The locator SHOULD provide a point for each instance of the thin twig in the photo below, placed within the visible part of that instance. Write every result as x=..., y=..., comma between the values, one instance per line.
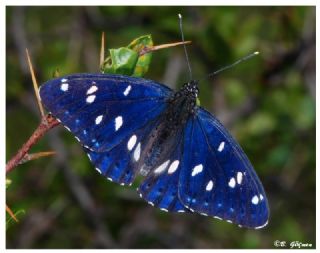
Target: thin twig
x=102, y=50
x=30, y=157
x=146, y=50
x=9, y=211
x=46, y=124
x=35, y=84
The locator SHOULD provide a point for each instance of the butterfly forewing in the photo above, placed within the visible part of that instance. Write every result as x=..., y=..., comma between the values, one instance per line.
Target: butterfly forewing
x=110, y=115
x=102, y=110
x=217, y=178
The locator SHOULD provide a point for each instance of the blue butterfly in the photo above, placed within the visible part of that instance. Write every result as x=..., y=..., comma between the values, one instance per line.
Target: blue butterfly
x=133, y=126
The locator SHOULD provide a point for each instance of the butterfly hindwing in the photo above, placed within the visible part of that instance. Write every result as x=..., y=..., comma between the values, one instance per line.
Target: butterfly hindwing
x=120, y=164
x=217, y=178
x=160, y=188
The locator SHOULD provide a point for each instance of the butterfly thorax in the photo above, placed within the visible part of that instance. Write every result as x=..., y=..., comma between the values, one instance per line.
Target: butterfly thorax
x=162, y=139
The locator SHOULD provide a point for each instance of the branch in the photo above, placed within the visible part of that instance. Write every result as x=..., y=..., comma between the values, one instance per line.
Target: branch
x=35, y=84
x=11, y=214
x=146, y=50
x=102, y=51
x=47, y=122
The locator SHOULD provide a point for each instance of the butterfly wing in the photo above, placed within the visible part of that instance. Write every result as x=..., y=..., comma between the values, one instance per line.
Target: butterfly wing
x=101, y=110
x=109, y=114
x=217, y=178
x=120, y=163
x=160, y=188
x=205, y=171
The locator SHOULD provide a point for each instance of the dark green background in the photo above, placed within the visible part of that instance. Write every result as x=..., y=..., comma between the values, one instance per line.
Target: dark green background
x=268, y=103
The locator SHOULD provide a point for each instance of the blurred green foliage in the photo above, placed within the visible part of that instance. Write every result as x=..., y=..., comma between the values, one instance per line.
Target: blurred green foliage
x=268, y=103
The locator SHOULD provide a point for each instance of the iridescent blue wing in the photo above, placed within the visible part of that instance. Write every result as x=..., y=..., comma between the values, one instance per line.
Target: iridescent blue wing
x=109, y=115
x=100, y=110
x=120, y=163
x=160, y=188
x=216, y=177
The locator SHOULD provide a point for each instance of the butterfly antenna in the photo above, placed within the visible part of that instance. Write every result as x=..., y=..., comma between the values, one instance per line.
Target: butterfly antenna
x=231, y=65
x=184, y=45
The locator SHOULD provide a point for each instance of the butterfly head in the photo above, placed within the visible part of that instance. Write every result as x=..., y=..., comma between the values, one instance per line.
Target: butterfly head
x=191, y=89
x=183, y=102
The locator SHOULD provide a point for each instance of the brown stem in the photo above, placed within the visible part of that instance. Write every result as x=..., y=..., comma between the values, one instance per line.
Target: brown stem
x=9, y=211
x=146, y=50
x=47, y=122
x=102, y=51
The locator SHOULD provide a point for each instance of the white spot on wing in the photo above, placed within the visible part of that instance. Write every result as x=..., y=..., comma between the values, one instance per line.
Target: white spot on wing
x=136, y=153
x=255, y=200
x=118, y=122
x=209, y=186
x=64, y=86
x=162, y=167
x=261, y=197
x=98, y=119
x=90, y=99
x=92, y=89
x=132, y=141
x=232, y=182
x=127, y=90
x=173, y=167
x=221, y=146
x=97, y=169
x=63, y=80
x=239, y=177
x=196, y=170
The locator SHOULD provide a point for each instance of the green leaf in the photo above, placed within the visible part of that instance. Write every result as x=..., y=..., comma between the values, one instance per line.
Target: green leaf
x=123, y=61
x=8, y=182
x=144, y=61
x=127, y=61
x=198, y=101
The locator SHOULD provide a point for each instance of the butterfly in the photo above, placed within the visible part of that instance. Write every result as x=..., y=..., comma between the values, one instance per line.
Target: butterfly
x=133, y=127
